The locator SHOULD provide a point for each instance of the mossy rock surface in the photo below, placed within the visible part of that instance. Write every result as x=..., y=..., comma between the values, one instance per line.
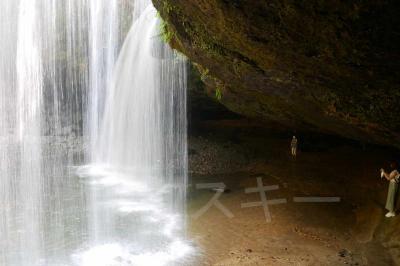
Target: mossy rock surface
x=329, y=66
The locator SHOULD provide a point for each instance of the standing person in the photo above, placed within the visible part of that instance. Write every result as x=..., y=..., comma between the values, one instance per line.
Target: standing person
x=293, y=146
x=393, y=178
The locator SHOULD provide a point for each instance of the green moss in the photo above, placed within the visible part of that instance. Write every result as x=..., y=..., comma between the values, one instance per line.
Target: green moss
x=198, y=35
x=218, y=94
x=167, y=7
x=218, y=91
x=204, y=74
x=210, y=47
x=165, y=32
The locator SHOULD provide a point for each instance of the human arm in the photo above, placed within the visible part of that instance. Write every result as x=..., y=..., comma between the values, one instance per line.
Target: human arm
x=393, y=175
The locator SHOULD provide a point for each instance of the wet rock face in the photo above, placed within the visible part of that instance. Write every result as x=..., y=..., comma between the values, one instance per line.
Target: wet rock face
x=330, y=66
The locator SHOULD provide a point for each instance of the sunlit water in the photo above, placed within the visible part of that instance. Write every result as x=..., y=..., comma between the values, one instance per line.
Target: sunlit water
x=70, y=95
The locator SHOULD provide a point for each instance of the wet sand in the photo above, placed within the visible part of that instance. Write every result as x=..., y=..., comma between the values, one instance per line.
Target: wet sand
x=350, y=232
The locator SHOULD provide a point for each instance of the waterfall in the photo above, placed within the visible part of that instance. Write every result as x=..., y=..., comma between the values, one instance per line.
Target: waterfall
x=41, y=105
x=28, y=119
x=104, y=44
x=73, y=92
x=139, y=171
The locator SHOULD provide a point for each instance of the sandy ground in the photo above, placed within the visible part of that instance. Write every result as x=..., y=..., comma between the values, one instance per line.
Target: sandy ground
x=350, y=232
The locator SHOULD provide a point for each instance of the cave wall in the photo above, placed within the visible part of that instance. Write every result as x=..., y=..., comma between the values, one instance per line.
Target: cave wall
x=329, y=66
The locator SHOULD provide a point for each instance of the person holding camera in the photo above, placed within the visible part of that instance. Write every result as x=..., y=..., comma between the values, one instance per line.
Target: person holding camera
x=393, y=178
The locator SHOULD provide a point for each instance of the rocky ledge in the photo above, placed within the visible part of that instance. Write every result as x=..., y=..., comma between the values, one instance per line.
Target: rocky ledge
x=329, y=66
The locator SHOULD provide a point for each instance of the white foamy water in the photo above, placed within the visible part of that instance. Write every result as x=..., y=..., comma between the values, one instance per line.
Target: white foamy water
x=139, y=169
x=72, y=94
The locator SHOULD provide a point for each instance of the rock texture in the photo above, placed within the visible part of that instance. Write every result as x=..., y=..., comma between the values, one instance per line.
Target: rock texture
x=330, y=66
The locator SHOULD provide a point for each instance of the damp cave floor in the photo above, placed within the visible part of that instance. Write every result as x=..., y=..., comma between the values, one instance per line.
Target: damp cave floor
x=350, y=232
